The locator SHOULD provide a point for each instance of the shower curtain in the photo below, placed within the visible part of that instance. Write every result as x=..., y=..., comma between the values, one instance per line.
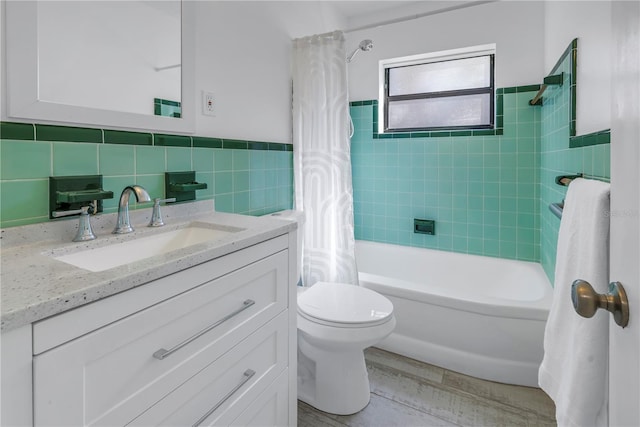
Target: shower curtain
x=322, y=160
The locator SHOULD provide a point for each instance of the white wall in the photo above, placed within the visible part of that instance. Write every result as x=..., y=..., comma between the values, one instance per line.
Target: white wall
x=3, y=65
x=243, y=57
x=515, y=27
x=590, y=23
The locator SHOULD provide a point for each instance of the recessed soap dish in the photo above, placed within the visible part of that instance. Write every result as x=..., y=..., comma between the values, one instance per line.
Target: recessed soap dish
x=182, y=185
x=68, y=193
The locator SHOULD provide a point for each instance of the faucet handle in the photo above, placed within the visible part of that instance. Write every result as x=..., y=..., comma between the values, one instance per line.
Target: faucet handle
x=156, y=216
x=84, y=226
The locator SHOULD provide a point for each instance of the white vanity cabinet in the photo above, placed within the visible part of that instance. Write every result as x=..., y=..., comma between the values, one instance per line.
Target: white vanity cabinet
x=209, y=345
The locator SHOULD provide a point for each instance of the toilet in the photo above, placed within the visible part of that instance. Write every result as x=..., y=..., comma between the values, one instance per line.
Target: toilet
x=336, y=322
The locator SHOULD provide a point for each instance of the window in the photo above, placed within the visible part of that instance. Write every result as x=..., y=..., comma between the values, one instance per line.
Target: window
x=445, y=90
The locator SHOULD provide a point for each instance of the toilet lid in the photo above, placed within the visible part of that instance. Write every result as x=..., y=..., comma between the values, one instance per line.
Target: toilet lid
x=345, y=304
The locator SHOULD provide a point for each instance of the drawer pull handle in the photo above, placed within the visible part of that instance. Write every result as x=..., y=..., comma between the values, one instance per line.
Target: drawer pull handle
x=245, y=377
x=162, y=353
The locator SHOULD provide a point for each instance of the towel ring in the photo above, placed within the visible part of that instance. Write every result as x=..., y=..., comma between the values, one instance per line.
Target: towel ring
x=586, y=301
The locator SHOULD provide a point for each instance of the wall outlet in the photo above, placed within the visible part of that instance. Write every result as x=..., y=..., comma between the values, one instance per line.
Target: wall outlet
x=208, y=104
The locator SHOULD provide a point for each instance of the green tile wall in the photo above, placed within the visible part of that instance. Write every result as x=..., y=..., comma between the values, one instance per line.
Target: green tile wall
x=248, y=177
x=557, y=158
x=483, y=191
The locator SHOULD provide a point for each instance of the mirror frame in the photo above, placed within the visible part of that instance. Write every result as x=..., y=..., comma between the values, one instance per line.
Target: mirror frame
x=22, y=80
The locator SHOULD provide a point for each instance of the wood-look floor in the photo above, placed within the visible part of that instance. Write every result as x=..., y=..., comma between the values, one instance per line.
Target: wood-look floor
x=405, y=392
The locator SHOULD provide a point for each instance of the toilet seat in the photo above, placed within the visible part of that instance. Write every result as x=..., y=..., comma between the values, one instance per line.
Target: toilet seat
x=344, y=306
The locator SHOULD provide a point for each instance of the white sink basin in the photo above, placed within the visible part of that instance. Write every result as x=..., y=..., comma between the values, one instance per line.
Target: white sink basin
x=122, y=253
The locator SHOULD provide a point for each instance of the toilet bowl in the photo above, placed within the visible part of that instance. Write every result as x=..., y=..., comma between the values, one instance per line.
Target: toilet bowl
x=336, y=322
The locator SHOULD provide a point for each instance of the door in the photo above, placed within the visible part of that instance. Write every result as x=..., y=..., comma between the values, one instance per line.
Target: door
x=624, y=344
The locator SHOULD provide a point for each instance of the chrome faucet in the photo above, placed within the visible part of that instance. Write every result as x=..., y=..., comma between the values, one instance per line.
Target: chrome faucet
x=123, y=225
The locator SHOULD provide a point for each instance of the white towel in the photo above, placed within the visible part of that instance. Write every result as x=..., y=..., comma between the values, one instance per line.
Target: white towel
x=574, y=371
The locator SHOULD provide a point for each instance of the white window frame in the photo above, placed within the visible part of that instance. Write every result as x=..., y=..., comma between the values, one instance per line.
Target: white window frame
x=424, y=58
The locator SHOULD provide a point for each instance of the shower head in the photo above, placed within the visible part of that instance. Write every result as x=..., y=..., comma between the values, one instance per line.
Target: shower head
x=365, y=46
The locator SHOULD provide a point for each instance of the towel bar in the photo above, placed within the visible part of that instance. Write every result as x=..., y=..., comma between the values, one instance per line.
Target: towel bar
x=556, y=79
x=565, y=180
x=556, y=209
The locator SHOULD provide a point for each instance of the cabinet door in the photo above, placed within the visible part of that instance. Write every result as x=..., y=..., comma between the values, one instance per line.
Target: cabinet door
x=225, y=388
x=16, y=369
x=110, y=376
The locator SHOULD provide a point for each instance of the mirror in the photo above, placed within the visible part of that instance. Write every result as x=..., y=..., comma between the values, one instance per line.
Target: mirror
x=125, y=64
x=129, y=53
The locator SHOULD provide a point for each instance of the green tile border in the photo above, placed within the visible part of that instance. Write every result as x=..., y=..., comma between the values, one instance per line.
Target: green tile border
x=361, y=103
x=499, y=123
x=574, y=79
x=204, y=142
x=438, y=134
x=164, y=140
x=278, y=146
x=46, y=132
x=68, y=134
x=20, y=131
x=235, y=144
x=518, y=89
x=594, y=138
x=254, y=145
x=124, y=137
x=572, y=52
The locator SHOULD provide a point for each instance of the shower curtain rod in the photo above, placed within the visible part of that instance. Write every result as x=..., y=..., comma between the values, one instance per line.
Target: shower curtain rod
x=418, y=15
x=329, y=35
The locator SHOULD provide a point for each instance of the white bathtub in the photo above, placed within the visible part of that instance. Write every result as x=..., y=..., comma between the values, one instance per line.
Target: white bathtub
x=477, y=315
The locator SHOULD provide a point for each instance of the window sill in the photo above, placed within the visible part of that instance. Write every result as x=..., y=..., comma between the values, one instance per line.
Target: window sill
x=438, y=134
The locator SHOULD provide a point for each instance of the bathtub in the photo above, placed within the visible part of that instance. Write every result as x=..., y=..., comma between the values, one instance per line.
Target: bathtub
x=477, y=315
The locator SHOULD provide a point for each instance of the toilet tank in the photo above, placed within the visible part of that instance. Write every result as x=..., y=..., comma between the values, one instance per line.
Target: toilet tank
x=297, y=216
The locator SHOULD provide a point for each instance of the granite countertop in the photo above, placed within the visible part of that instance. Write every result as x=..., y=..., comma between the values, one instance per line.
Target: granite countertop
x=34, y=285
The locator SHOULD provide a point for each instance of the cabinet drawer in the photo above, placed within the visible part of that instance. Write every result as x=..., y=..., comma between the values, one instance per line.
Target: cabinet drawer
x=110, y=376
x=67, y=326
x=271, y=408
x=223, y=390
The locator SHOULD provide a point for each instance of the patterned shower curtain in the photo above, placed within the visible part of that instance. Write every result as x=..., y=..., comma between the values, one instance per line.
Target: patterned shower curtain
x=322, y=159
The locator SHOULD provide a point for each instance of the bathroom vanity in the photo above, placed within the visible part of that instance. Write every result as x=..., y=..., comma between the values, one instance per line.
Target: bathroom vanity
x=200, y=335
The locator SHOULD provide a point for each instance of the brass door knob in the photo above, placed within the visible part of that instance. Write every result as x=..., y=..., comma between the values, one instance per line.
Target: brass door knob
x=586, y=301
